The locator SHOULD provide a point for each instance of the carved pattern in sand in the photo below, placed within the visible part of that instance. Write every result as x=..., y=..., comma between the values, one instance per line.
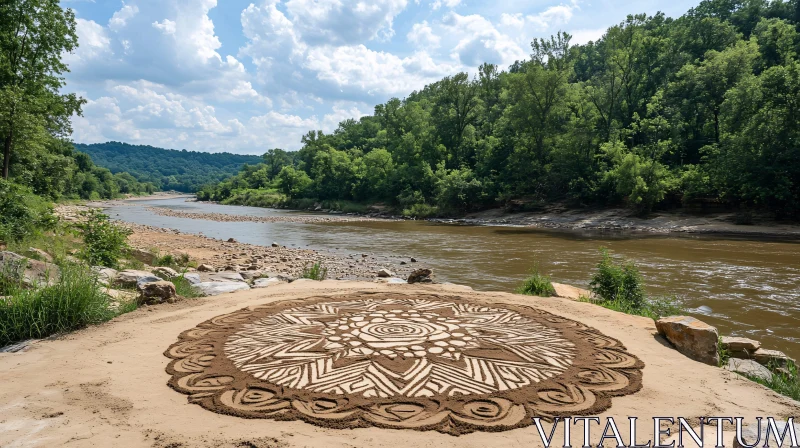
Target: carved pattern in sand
x=422, y=362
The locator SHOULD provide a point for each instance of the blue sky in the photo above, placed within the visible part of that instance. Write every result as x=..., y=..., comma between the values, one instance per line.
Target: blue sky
x=244, y=77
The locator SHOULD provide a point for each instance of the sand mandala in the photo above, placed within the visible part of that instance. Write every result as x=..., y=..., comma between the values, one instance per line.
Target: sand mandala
x=423, y=362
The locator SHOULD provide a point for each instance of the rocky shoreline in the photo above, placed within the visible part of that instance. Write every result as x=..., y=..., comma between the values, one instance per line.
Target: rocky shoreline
x=224, y=217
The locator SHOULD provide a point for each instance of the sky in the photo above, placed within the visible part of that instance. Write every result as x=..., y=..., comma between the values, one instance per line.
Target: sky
x=244, y=77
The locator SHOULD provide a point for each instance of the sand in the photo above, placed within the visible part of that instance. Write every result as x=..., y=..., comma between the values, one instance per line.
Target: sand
x=107, y=385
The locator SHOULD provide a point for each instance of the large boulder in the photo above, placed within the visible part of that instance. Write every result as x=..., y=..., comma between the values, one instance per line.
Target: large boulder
x=771, y=358
x=153, y=293
x=739, y=347
x=267, y=282
x=105, y=276
x=206, y=268
x=251, y=275
x=226, y=276
x=193, y=279
x=421, y=276
x=130, y=277
x=749, y=367
x=217, y=288
x=570, y=292
x=694, y=338
x=385, y=273
x=29, y=273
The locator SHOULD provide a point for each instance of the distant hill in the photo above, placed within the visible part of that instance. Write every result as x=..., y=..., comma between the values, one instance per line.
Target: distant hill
x=167, y=169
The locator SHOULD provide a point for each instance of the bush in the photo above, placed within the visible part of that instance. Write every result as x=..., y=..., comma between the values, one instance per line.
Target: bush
x=537, y=284
x=22, y=214
x=105, y=242
x=73, y=303
x=315, y=272
x=618, y=283
x=421, y=211
x=185, y=289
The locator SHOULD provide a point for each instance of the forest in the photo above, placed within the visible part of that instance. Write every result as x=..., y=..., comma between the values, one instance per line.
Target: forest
x=660, y=113
x=167, y=169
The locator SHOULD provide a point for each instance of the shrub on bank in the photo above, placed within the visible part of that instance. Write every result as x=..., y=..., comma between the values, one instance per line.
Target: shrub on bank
x=315, y=272
x=22, y=213
x=105, y=242
x=76, y=301
x=619, y=286
x=537, y=284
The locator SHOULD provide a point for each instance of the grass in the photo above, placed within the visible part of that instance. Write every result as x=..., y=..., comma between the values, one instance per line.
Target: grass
x=537, y=284
x=655, y=308
x=185, y=289
x=315, y=272
x=785, y=382
x=59, y=243
x=76, y=301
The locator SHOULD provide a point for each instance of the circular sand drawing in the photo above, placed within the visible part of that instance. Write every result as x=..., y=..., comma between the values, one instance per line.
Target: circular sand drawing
x=401, y=361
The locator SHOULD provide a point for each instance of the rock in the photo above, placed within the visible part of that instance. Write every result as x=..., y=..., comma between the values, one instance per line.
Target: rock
x=193, y=279
x=232, y=268
x=771, y=358
x=105, y=276
x=749, y=367
x=692, y=337
x=165, y=272
x=739, y=347
x=30, y=273
x=274, y=244
x=421, y=276
x=267, y=282
x=751, y=433
x=385, y=273
x=153, y=293
x=226, y=276
x=130, y=277
x=251, y=275
x=413, y=260
x=303, y=280
x=144, y=256
x=403, y=263
x=232, y=240
x=42, y=255
x=121, y=296
x=570, y=292
x=217, y=288
x=391, y=280
x=206, y=268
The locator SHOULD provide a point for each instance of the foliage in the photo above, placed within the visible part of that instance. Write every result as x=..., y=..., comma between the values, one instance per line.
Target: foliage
x=657, y=113
x=619, y=283
x=537, y=284
x=104, y=241
x=22, y=214
x=315, y=272
x=184, y=288
x=784, y=381
x=168, y=169
x=74, y=302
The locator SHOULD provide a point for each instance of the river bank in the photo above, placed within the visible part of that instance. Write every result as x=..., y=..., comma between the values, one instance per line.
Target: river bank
x=564, y=218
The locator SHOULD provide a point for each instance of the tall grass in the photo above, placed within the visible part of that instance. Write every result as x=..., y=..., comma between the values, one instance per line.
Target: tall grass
x=185, y=289
x=537, y=284
x=73, y=303
x=315, y=272
x=784, y=381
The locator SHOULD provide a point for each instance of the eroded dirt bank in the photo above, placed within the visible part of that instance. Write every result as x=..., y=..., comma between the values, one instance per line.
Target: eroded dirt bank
x=107, y=385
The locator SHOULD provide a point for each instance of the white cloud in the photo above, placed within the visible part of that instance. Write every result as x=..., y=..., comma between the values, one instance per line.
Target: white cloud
x=167, y=26
x=552, y=16
x=335, y=22
x=448, y=3
x=120, y=18
x=421, y=35
x=479, y=41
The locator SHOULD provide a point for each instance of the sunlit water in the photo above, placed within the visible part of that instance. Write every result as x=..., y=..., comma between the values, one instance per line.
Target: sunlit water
x=752, y=287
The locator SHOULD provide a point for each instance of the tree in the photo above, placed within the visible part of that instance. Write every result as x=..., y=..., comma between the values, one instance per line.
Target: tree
x=34, y=34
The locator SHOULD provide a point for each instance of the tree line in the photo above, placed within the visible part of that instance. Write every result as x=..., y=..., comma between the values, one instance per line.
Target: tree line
x=659, y=113
x=167, y=169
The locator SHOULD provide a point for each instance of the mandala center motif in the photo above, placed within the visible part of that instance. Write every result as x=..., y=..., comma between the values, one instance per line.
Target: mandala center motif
x=386, y=348
x=399, y=333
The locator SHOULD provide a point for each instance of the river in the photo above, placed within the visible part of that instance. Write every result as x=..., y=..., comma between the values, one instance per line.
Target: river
x=744, y=287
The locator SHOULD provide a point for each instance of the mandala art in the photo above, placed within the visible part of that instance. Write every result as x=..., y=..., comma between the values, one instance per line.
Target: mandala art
x=421, y=362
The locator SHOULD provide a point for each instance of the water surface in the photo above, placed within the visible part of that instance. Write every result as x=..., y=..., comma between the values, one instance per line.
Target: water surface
x=752, y=287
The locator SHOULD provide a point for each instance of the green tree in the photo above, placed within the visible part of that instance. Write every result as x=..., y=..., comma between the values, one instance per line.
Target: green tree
x=34, y=34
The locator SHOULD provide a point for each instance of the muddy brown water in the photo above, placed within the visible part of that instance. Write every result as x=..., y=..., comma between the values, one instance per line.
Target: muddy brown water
x=744, y=287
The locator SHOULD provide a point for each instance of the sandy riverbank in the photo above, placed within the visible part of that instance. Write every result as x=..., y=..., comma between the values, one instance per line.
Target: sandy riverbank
x=107, y=385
